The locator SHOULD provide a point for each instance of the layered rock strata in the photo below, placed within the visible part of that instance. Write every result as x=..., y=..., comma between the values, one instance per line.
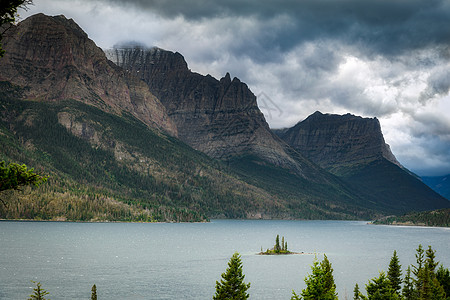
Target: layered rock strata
x=54, y=59
x=218, y=117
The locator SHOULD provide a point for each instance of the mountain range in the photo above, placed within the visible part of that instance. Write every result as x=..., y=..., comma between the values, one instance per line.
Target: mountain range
x=131, y=133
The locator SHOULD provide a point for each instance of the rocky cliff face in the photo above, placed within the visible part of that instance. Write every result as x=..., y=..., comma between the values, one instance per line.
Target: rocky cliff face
x=332, y=141
x=55, y=60
x=218, y=117
x=353, y=148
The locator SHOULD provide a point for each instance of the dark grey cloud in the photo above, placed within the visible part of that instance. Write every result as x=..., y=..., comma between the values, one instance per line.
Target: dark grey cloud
x=387, y=27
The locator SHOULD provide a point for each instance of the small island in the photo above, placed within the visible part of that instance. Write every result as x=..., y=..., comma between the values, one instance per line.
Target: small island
x=277, y=248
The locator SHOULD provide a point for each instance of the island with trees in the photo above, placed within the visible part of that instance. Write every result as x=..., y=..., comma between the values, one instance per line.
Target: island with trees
x=278, y=249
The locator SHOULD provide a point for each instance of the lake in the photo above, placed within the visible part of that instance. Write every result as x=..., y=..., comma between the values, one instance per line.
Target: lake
x=183, y=261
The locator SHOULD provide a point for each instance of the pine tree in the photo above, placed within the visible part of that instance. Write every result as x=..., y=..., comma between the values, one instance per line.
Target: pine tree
x=94, y=293
x=419, y=260
x=38, y=292
x=277, y=247
x=282, y=244
x=380, y=289
x=232, y=285
x=356, y=293
x=320, y=283
x=443, y=276
x=395, y=273
x=408, y=292
x=430, y=259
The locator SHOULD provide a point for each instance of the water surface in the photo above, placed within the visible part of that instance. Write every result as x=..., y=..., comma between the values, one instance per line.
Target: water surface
x=183, y=261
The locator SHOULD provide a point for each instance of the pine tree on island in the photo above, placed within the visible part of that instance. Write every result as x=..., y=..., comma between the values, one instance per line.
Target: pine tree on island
x=277, y=248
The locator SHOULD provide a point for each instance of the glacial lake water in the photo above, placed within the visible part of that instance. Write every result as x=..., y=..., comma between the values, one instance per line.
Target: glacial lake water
x=183, y=261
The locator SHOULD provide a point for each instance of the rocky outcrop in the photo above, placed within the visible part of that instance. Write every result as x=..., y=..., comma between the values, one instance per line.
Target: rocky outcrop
x=332, y=141
x=54, y=59
x=353, y=148
x=218, y=117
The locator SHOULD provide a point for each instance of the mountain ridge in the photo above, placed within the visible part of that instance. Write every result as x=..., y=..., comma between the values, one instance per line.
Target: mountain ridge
x=167, y=143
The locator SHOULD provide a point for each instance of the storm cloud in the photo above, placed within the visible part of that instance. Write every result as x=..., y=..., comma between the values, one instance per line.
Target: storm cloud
x=375, y=58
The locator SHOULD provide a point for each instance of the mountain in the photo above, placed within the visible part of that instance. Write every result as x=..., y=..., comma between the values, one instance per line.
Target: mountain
x=353, y=148
x=218, y=117
x=54, y=59
x=440, y=184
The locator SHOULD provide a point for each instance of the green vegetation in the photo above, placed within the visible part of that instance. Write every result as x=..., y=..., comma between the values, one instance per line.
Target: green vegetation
x=422, y=281
x=277, y=248
x=15, y=176
x=38, y=292
x=320, y=283
x=439, y=218
x=94, y=292
x=232, y=285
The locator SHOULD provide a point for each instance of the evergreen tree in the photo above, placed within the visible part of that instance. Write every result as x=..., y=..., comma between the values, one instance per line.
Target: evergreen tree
x=282, y=244
x=408, y=291
x=232, y=285
x=38, y=292
x=356, y=293
x=419, y=260
x=285, y=246
x=14, y=176
x=320, y=283
x=380, y=289
x=94, y=293
x=395, y=273
x=277, y=247
x=443, y=276
x=430, y=259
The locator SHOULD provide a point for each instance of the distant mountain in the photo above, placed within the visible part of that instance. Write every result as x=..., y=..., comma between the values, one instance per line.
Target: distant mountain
x=440, y=184
x=353, y=148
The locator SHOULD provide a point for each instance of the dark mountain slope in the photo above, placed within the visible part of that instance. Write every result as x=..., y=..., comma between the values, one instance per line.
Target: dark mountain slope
x=353, y=148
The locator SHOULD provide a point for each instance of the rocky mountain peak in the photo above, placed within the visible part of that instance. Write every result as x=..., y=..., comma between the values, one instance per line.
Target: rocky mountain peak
x=54, y=58
x=331, y=140
x=218, y=117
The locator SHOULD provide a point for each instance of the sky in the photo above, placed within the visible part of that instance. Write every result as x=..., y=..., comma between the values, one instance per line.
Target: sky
x=388, y=59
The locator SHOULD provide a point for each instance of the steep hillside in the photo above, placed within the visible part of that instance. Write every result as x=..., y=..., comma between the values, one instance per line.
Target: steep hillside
x=91, y=152
x=353, y=148
x=95, y=159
